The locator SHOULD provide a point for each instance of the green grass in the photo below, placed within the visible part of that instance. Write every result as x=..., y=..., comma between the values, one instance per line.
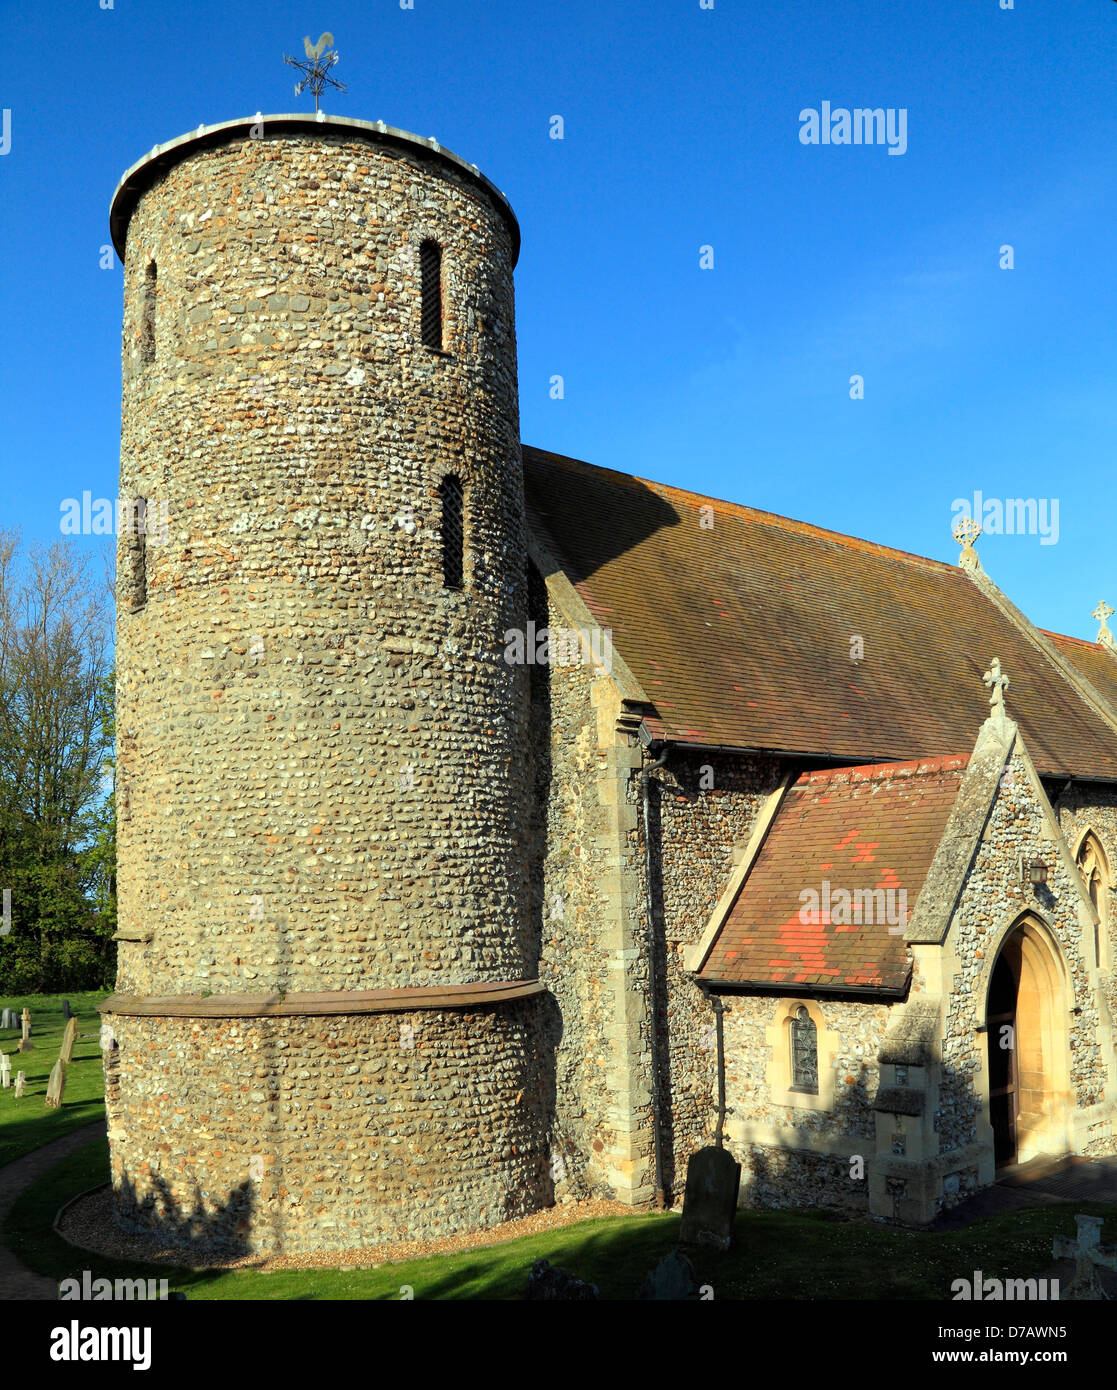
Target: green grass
x=777, y=1255
x=27, y=1124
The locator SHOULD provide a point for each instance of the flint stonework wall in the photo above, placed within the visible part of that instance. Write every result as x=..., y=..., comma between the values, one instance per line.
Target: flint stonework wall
x=326, y=1133
x=321, y=745
x=322, y=776
x=703, y=806
x=793, y=1156
x=992, y=898
x=1095, y=808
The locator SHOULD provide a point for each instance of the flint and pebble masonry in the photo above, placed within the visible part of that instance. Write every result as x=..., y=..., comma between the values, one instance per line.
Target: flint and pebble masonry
x=321, y=747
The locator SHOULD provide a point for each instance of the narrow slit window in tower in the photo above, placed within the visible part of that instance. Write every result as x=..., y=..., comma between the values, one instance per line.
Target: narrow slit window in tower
x=430, y=266
x=453, y=532
x=147, y=322
x=137, y=546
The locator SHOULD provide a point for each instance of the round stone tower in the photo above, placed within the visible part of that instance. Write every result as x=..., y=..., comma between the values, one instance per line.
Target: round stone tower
x=326, y=1032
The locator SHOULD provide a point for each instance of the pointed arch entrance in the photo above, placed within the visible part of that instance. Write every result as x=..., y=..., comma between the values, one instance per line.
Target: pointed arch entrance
x=1028, y=1046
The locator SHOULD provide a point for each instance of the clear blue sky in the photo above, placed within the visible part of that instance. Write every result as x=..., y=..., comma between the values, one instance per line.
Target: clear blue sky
x=681, y=130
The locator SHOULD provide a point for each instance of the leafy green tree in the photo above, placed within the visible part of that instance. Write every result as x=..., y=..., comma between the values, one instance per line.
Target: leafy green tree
x=56, y=814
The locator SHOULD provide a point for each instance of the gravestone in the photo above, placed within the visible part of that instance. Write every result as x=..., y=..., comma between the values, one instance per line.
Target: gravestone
x=713, y=1179
x=66, y=1009
x=21, y=1081
x=57, y=1084
x=671, y=1280
x=66, y=1053
x=25, y=1045
x=1087, y=1252
x=9, y=1019
x=27, y=1023
x=547, y=1281
x=5, y=1070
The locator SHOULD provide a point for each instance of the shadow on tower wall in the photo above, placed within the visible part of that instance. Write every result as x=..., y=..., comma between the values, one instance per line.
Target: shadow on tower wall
x=159, y=1217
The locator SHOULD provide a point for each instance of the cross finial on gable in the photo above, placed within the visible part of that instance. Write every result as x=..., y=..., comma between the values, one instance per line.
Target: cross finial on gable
x=1101, y=612
x=998, y=684
x=966, y=531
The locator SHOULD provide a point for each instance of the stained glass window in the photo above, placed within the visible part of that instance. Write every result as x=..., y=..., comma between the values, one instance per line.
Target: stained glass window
x=804, y=1053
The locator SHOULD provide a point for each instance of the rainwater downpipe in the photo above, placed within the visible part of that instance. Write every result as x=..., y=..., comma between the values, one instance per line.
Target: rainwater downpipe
x=653, y=993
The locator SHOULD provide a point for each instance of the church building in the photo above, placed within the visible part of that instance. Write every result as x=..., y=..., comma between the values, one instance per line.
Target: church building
x=483, y=812
x=856, y=795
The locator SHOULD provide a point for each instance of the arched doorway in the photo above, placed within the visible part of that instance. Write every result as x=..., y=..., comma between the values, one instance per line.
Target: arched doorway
x=1029, y=1069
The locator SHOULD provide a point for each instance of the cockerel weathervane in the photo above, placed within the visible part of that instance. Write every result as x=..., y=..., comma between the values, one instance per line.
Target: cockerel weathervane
x=322, y=56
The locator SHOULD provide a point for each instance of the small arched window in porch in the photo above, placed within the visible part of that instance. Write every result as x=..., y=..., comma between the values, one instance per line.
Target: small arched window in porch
x=804, y=1052
x=1094, y=868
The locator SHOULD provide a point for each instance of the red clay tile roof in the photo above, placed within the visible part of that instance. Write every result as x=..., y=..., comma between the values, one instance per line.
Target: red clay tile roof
x=1098, y=665
x=845, y=830
x=740, y=634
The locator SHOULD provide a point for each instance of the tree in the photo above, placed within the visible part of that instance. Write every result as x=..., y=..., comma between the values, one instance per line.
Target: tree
x=55, y=754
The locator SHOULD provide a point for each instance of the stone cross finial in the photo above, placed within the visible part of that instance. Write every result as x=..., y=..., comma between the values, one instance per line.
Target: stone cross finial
x=966, y=531
x=1101, y=612
x=998, y=684
x=1087, y=1252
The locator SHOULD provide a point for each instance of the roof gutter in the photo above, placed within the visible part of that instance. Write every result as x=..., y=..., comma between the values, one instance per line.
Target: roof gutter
x=790, y=988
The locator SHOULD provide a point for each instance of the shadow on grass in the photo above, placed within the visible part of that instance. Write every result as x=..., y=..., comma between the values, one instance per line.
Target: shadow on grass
x=777, y=1255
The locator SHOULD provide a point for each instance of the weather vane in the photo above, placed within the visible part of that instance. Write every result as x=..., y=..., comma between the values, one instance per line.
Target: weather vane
x=316, y=76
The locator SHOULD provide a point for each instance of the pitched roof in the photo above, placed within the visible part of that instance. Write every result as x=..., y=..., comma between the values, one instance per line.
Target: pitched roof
x=739, y=626
x=1098, y=665
x=845, y=831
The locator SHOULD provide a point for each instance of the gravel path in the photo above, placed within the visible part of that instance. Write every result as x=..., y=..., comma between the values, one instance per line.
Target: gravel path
x=88, y=1223
x=16, y=1280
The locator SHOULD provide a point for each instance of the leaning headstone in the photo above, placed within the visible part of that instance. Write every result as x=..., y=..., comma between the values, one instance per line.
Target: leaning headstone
x=66, y=1008
x=5, y=1070
x=21, y=1081
x=68, y=1038
x=671, y=1280
x=57, y=1084
x=547, y=1281
x=27, y=1023
x=713, y=1179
